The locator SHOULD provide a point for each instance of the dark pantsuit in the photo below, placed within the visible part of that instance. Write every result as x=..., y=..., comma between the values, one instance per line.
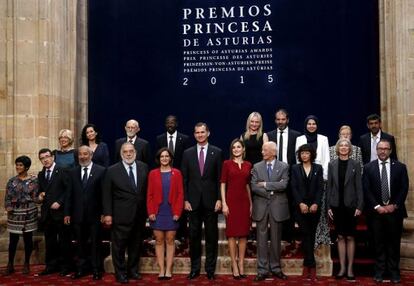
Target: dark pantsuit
x=57, y=241
x=308, y=224
x=88, y=243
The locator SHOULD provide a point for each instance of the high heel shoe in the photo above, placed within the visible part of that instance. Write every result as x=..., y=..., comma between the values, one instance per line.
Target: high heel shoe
x=9, y=270
x=26, y=269
x=235, y=277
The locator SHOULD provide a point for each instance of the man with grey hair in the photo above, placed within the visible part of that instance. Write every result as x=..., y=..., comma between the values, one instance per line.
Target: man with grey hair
x=83, y=209
x=270, y=207
x=142, y=147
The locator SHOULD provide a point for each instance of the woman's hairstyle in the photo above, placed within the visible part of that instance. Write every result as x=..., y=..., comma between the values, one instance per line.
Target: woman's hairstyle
x=84, y=138
x=66, y=133
x=339, y=142
x=232, y=144
x=24, y=160
x=158, y=155
x=343, y=127
x=306, y=148
x=259, y=132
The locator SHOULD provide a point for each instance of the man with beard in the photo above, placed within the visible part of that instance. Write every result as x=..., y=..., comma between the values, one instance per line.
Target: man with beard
x=124, y=196
x=83, y=209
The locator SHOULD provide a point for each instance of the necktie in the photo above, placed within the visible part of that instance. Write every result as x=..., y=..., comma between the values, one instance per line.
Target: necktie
x=171, y=144
x=280, y=157
x=269, y=170
x=48, y=171
x=374, y=148
x=85, y=177
x=385, y=193
x=201, y=160
x=130, y=141
x=132, y=178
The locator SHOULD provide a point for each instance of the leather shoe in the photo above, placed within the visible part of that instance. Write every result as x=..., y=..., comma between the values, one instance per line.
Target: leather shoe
x=134, y=276
x=96, y=275
x=339, y=276
x=193, y=275
x=211, y=276
x=78, y=275
x=378, y=278
x=64, y=272
x=279, y=275
x=47, y=271
x=122, y=279
x=350, y=278
x=396, y=279
x=260, y=277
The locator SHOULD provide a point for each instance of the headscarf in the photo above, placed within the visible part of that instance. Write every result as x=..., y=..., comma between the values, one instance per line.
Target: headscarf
x=312, y=137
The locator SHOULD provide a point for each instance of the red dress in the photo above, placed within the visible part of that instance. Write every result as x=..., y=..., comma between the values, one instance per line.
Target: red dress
x=238, y=221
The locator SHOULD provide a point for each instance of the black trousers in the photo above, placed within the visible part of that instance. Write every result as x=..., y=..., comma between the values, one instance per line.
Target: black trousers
x=87, y=236
x=28, y=246
x=387, y=229
x=308, y=224
x=209, y=218
x=57, y=243
x=127, y=238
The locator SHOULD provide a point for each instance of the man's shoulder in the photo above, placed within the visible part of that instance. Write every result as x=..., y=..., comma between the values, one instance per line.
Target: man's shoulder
x=294, y=132
x=141, y=141
x=182, y=135
x=365, y=136
x=385, y=135
x=214, y=148
x=281, y=165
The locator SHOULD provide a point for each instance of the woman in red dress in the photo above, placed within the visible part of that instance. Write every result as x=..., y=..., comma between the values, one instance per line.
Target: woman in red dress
x=237, y=204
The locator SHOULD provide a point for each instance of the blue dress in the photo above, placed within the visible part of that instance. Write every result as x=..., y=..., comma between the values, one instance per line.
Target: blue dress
x=164, y=218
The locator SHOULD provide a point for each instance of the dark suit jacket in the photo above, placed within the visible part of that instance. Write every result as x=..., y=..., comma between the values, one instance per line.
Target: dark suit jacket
x=371, y=181
x=85, y=204
x=120, y=199
x=353, y=194
x=298, y=184
x=365, y=145
x=141, y=146
x=291, y=152
x=202, y=189
x=181, y=144
x=55, y=191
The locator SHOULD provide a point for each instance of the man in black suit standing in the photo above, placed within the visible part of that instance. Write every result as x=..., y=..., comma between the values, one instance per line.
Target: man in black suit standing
x=368, y=142
x=124, y=196
x=201, y=169
x=53, y=188
x=285, y=139
x=83, y=209
x=385, y=184
x=142, y=146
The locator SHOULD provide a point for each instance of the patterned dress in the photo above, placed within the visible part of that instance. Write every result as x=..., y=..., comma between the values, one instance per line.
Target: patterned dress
x=21, y=196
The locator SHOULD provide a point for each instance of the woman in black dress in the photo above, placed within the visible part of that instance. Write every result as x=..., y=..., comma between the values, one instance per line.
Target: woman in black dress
x=92, y=138
x=345, y=203
x=307, y=189
x=253, y=138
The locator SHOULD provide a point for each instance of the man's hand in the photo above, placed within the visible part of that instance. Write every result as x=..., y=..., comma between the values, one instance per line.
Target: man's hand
x=66, y=220
x=330, y=214
x=261, y=184
x=390, y=208
x=55, y=206
x=187, y=206
x=313, y=208
x=382, y=210
x=303, y=208
x=41, y=196
x=217, y=207
x=357, y=212
x=108, y=220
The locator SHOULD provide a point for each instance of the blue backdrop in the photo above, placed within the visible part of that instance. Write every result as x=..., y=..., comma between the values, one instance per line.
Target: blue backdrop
x=325, y=62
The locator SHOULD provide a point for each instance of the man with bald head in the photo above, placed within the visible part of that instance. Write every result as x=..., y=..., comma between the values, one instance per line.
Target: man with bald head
x=270, y=207
x=83, y=210
x=142, y=147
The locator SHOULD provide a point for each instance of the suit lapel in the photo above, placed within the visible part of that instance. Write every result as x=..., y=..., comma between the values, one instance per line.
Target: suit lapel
x=208, y=158
x=349, y=172
x=125, y=177
x=335, y=172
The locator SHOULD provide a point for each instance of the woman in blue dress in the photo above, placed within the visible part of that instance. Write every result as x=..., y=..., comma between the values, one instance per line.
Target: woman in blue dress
x=165, y=200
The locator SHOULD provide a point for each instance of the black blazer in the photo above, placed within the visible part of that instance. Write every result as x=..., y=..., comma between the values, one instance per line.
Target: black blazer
x=291, y=152
x=353, y=194
x=182, y=143
x=141, y=146
x=365, y=145
x=85, y=204
x=298, y=184
x=119, y=198
x=55, y=191
x=202, y=189
x=371, y=181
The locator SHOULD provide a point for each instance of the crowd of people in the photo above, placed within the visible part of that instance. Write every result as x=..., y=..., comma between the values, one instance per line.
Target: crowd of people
x=277, y=179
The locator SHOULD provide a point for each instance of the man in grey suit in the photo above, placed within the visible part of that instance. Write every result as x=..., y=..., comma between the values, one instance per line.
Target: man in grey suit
x=270, y=207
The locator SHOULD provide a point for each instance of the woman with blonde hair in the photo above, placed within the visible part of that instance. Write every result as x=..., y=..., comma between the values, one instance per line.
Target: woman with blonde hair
x=253, y=138
x=345, y=132
x=65, y=156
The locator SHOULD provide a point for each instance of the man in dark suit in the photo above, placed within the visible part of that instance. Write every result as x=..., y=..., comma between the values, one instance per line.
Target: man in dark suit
x=368, y=142
x=53, y=188
x=142, y=146
x=270, y=207
x=83, y=209
x=385, y=184
x=201, y=169
x=124, y=196
x=285, y=139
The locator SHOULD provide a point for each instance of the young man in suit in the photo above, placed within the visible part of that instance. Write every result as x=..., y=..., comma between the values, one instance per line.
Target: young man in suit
x=53, y=188
x=124, y=197
x=368, y=142
x=385, y=184
x=201, y=169
x=142, y=147
x=270, y=207
x=83, y=210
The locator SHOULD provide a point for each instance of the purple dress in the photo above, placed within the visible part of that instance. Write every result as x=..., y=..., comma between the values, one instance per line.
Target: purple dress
x=164, y=218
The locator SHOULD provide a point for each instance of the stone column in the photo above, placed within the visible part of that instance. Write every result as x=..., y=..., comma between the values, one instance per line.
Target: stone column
x=397, y=100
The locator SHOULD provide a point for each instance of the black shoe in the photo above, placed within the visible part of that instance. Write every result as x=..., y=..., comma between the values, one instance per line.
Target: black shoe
x=64, y=272
x=396, y=279
x=260, y=277
x=279, y=275
x=167, y=277
x=339, y=276
x=243, y=276
x=211, y=276
x=237, y=277
x=9, y=270
x=47, y=271
x=122, y=278
x=26, y=269
x=378, y=278
x=350, y=278
x=134, y=276
x=96, y=275
x=161, y=277
x=193, y=275
x=78, y=274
